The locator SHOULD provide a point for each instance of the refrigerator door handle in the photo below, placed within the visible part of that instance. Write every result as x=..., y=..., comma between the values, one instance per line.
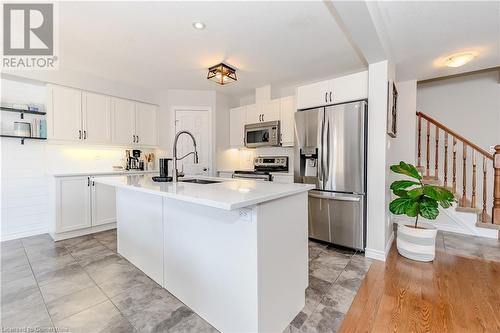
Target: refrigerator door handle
x=336, y=196
x=327, y=148
x=321, y=150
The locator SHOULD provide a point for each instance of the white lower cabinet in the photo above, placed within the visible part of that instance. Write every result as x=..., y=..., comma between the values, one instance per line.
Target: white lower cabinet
x=73, y=204
x=82, y=207
x=103, y=204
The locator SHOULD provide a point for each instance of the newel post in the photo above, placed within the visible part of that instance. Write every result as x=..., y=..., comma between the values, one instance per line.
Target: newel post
x=496, y=186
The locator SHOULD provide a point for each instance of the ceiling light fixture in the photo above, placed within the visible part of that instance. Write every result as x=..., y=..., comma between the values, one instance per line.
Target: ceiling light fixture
x=222, y=74
x=199, y=25
x=459, y=59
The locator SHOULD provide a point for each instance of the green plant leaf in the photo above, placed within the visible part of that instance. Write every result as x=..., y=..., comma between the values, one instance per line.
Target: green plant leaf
x=416, y=192
x=429, y=208
x=438, y=193
x=400, y=205
x=413, y=209
x=406, y=169
x=400, y=193
x=403, y=184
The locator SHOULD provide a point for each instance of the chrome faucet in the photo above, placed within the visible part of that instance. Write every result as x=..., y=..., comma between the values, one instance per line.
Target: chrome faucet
x=175, y=158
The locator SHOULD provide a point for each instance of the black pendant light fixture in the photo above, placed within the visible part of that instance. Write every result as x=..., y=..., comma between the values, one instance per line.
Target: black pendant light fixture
x=222, y=74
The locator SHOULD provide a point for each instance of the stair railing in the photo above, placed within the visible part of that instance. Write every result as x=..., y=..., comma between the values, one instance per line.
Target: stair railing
x=469, y=150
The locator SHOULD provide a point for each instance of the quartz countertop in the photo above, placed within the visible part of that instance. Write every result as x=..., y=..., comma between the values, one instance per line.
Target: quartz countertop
x=229, y=194
x=99, y=173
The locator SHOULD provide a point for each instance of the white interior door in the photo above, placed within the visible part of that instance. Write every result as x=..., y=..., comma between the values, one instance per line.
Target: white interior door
x=198, y=123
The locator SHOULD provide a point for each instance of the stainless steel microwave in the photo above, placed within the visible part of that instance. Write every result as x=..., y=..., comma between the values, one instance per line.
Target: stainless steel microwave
x=262, y=134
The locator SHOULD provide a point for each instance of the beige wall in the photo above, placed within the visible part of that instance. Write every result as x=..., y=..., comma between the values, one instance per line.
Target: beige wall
x=470, y=105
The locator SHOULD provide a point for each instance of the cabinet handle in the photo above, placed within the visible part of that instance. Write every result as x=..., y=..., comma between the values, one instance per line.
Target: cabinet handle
x=93, y=183
x=137, y=138
x=326, y=97
x=133, y=138
x=262, y=117
x=85, y=134
x=79, y=134
x=330, y=96
x=88, y=181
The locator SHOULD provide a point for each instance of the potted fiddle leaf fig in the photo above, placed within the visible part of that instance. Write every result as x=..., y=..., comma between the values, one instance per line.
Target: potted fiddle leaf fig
x=414, y=199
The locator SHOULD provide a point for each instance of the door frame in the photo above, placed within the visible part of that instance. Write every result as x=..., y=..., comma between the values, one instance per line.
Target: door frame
x=212, y=148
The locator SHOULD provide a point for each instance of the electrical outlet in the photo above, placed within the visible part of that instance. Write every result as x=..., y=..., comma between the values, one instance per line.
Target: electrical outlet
x=245, y=214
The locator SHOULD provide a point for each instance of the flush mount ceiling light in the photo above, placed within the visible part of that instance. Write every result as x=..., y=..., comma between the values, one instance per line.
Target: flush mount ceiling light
x=222, y=74
x=199, y=25
x=459, y=59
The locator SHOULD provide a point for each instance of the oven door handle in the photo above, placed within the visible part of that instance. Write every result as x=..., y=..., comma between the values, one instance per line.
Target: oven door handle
x=252, y=177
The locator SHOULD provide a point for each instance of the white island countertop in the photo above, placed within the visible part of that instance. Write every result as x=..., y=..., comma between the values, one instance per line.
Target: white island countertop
x=228, y=194
x=99, y=173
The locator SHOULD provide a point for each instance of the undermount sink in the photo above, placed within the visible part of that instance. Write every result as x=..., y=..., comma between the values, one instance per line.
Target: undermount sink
x=199, y=181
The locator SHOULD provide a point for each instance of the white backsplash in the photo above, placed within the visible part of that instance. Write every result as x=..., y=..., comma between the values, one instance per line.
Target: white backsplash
x=242, y=159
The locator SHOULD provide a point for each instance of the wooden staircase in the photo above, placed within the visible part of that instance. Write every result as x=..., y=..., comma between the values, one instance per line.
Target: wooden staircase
x=448, y=159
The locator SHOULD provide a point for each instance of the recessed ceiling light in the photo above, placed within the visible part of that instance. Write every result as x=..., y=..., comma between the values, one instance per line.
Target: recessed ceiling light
x=459, y=59
x=199, y=25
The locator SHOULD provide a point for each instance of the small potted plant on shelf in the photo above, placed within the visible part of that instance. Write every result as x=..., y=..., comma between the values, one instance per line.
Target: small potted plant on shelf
x=415, y=199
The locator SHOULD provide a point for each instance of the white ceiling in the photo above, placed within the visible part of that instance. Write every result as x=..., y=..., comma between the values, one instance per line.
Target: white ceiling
x=153, y=44
x=422, y=33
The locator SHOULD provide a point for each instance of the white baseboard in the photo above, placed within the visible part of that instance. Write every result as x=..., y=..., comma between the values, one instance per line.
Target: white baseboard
x=375, y=254
x=389, y=244
x=81, y=232
x=380, y=255
x=27, y=232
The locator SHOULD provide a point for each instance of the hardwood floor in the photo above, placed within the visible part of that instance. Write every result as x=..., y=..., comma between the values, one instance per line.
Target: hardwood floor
x=452, y=294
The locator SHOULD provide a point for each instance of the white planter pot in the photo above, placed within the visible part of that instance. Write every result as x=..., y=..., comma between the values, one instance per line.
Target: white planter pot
x=417, y=244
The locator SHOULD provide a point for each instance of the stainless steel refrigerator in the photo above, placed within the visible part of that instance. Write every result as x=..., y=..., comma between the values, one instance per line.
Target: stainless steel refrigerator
x=331, y=153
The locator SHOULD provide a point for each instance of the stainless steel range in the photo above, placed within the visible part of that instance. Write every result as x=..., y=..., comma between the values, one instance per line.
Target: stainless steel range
x=263, y=167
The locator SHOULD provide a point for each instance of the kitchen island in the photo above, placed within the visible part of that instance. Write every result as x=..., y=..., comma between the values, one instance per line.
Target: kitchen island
x=234, y=251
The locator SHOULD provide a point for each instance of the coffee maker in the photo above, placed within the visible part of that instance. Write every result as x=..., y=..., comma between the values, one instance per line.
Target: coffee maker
x=133, y=161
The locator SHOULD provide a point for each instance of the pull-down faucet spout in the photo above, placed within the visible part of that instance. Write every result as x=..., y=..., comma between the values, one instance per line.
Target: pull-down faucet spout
x=175, y=158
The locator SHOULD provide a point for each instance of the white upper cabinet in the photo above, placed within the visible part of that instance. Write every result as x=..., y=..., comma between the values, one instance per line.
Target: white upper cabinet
x=287, y=117
x=96, y=117
x=253, y=114
x=271, y=110
x=134, y=123
x=237, y=118
x=86, y=117
x=65, y=114
x=123, y=121
x=146, y=124
x=342, y=89
x=262, y=112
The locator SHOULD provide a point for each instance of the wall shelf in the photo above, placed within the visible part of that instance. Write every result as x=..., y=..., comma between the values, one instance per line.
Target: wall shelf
x=21, y=137
x=22, y=112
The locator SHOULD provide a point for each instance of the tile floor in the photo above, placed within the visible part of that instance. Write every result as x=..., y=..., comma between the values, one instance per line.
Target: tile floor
x=83, y=285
